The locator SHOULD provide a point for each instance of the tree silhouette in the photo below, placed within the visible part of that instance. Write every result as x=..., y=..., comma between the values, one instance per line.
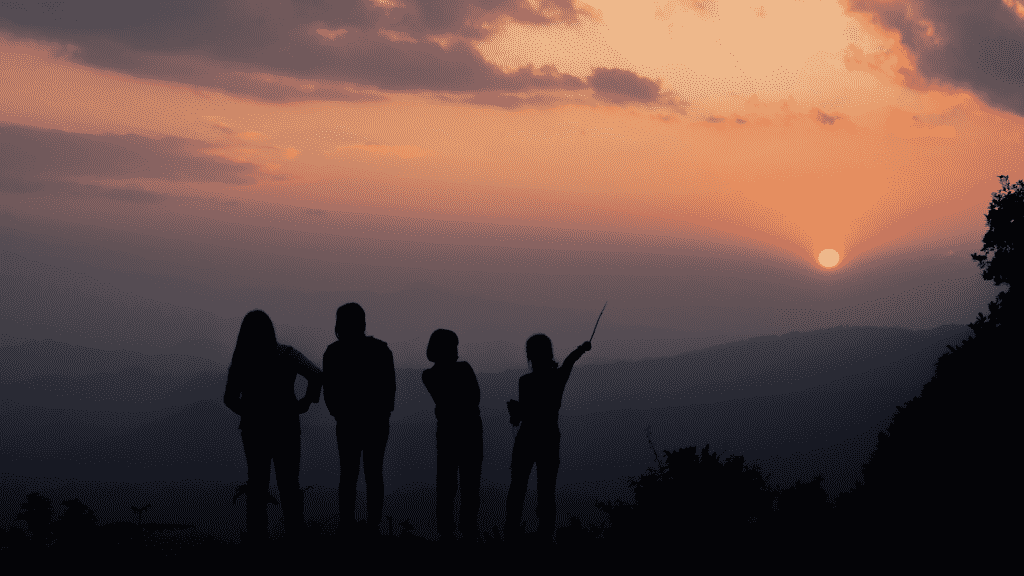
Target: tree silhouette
x=77, y=525
x=13, y=539
x=804, y=509
x=691, y=496
x=37, y=513
x=1000, y=257
x=932, y=470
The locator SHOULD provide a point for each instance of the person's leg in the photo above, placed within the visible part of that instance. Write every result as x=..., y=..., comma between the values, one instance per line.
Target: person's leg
x=522, y=463
x=373, y=469
x=348, y=462
x=547, y=473
x=447, y=462
x=288, y=446
x=257, y=460
x=470, y=471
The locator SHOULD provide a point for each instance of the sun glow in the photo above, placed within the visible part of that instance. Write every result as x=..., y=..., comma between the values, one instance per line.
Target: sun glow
x=828, y=258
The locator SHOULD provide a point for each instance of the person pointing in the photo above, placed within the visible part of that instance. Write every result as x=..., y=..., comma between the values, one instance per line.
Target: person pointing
x=539, y=438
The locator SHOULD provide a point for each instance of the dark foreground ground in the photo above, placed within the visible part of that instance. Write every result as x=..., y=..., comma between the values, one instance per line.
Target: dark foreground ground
x=132, y=546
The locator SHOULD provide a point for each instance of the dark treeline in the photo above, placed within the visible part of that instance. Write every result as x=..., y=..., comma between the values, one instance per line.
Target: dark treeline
x=939, y=475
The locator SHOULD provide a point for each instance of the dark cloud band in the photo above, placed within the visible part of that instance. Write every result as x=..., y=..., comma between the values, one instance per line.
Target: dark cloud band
x=31, y=158
x=309, y=50
x=973, y=45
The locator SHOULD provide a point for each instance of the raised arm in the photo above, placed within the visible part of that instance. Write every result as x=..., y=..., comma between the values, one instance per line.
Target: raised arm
x=573, y=356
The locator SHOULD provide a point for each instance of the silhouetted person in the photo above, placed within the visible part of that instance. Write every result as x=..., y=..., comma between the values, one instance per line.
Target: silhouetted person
x=359, y=391
x=260, y=389
x=540, y=399
x=460, y=434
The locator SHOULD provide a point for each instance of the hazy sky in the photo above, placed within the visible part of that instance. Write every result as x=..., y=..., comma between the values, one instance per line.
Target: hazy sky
x=501, y=167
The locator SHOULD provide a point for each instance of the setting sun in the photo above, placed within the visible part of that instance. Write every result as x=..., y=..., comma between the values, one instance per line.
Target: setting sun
x=828, y=258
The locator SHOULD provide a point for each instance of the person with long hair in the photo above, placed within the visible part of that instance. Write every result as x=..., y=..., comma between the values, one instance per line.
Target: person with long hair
x=260, y=389
x=460, y=434
x=539, y=438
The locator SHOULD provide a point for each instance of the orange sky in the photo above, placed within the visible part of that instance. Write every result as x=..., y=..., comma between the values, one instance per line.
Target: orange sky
x=804, y=124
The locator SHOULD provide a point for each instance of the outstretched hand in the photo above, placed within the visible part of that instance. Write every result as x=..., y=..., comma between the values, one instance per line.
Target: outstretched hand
x=586, y=346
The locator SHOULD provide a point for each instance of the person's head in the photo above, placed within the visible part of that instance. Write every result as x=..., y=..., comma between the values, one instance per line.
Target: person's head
x=256, y=339
x=539, y=352
x=350, y=321
x=443, y=346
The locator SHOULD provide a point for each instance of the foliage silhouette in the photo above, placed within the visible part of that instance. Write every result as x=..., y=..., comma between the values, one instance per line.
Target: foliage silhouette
x=691, y=495
x=37, y=513
x=77, y=526
x=13, y=539
x=803, y=509
x=930, y=472
x=578, y=534
x=1000, y=257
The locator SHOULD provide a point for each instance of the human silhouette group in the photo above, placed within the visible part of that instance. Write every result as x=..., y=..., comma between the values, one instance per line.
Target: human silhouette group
x=358, y=383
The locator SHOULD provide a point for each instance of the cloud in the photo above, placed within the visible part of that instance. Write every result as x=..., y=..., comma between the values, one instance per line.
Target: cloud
x=506, y=100
x=976, y=45
x=618, y=85
x=826, y=119
x=33, y=157
x=298, y=50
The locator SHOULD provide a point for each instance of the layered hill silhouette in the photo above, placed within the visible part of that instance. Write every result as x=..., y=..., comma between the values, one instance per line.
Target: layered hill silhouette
x=54, y=374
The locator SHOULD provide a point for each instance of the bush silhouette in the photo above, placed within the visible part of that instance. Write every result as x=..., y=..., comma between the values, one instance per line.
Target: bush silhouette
x=803, y=510
x=37, y=513
x=576, y=533
x=693, y=496
x=13, y=539
x=77, y=525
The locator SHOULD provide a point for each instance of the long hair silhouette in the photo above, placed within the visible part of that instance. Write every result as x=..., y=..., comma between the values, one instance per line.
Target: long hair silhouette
x=260, y=389
x=255, y=347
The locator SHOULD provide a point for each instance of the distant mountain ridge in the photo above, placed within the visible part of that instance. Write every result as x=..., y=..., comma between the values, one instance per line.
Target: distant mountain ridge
x=61, y=375
x=57, y=375
x=773, y=396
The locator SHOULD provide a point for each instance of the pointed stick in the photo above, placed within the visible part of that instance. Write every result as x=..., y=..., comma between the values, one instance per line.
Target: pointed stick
x=598, y=320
